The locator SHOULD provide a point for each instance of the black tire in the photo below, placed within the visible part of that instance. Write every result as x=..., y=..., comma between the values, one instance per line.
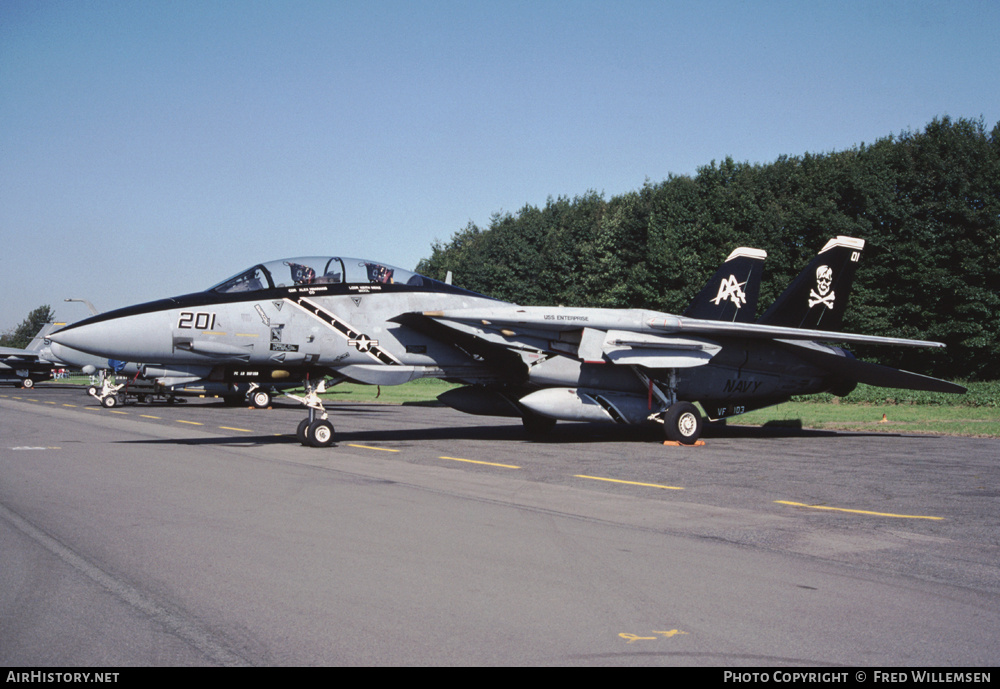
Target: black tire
x=110, y=401
x=683, y=423
x=321, y=433
x=27, y=383
x=302, y=432
x=92, y=390
x=260, y=399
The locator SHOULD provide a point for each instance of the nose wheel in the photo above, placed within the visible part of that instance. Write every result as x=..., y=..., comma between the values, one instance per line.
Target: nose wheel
x=321, y=433
x=315, y=433
x=315, y=430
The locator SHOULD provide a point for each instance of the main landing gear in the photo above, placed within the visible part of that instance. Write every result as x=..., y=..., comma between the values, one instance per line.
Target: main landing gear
x=682, y=423
x=316, y=429
x=258, y=397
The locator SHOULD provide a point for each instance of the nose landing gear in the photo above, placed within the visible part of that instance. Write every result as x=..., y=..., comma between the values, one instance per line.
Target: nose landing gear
x=316, y=429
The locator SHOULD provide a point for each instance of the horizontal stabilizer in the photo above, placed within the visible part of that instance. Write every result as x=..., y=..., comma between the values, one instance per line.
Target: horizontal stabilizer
x=756, y=331
x=15, y=354
x=875, y=374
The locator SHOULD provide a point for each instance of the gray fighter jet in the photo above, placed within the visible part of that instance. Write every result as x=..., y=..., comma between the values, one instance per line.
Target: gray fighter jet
x=25, y=367
x=346, y=319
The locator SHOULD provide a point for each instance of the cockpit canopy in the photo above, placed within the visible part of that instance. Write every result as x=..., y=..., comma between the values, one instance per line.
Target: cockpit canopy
x=317, y=270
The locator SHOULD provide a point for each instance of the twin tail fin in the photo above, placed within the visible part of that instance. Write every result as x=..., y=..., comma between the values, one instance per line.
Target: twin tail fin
x=731, y=294
x=817, y=298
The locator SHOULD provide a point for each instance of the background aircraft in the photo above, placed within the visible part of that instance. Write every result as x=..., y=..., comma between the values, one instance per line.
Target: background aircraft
x=15, y=370
x=119, y=381
x=27, y=366
x=304, y=319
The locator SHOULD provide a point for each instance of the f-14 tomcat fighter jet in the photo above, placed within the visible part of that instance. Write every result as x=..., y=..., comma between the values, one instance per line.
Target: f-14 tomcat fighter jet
x=315, y=318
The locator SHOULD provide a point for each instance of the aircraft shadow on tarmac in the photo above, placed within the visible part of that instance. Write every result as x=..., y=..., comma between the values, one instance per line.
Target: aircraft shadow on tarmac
x=562, y=434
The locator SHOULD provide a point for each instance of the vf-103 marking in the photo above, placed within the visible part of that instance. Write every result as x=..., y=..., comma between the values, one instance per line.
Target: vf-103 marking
x=317, y=318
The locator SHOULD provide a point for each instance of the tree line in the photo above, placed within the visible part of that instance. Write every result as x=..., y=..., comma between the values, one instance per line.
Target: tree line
x=21, y=336
x=927, y=204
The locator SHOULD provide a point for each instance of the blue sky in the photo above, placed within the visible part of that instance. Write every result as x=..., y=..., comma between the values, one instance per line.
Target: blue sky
x=149, y=149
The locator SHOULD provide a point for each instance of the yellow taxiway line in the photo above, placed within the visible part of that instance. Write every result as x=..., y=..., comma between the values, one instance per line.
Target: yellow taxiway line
x=631, y=483
x=844, y=509
x=473, y=461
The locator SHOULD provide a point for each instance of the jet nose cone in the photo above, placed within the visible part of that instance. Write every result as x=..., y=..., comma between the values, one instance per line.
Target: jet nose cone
x=93, y=338
x=143, y=336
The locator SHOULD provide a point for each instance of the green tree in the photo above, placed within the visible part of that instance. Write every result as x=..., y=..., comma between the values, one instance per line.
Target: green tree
x=21, y=336
x=927, y=204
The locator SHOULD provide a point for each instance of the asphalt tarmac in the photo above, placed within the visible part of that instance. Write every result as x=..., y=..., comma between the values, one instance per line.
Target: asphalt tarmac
x=201, y=534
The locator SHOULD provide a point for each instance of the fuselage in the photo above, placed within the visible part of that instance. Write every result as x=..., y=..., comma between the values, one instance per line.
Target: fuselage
x=272, y=327
x=359, y=320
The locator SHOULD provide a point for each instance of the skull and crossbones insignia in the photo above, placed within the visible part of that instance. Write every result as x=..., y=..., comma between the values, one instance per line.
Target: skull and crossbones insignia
x=824, y=295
